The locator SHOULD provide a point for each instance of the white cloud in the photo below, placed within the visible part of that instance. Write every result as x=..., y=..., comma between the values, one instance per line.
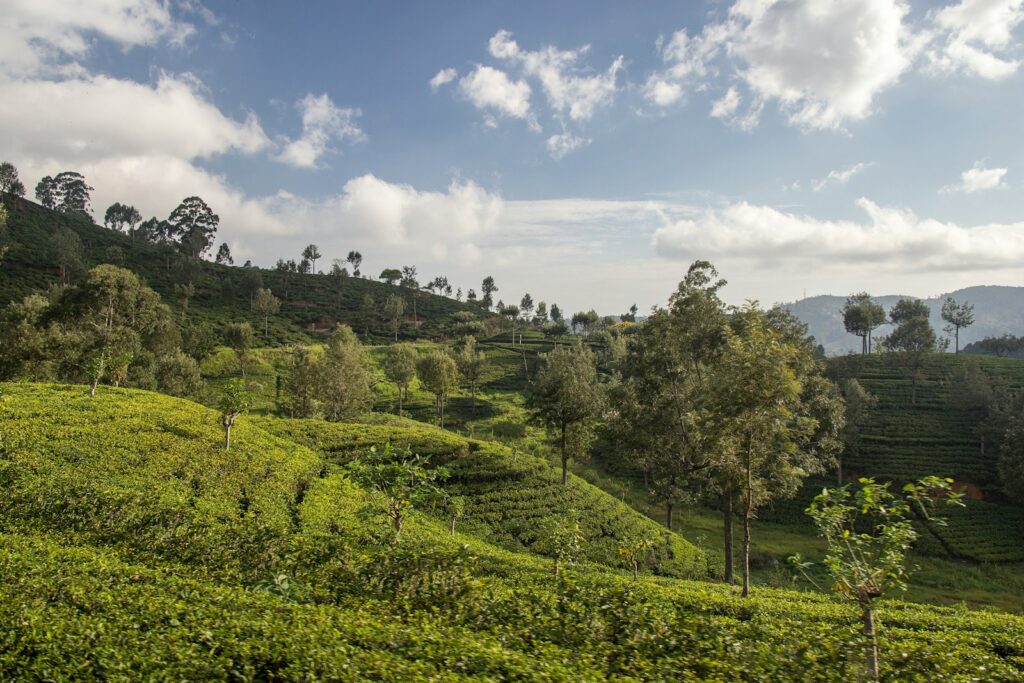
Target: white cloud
x=840, y=176
x=563, y=143
x=978, y=178
x=688, y=61
x=975, y=37
x=42, y=35
x=725, y=107
x=490, y=88
x=442, y=77
x=322, y=123
x=890, y=238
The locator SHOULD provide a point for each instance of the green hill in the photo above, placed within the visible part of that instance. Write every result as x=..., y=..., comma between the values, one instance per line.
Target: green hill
x=310, y=304
x=133, y=547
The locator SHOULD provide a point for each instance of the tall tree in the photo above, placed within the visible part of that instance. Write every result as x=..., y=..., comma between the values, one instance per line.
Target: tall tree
x=194, y=224
x=512, y=313
x=356, y=259
x=556, y=313
x=526, y=307
x=913, y=338
x=368, y=314
x=224, y=255
x=471, y=365
x=487, y=290
x=66, y=252
x=861, y=316
x=266, y=304
x=301, y=386
x=439, y=375
x=957, y=315
x=345, y=380
x=312, y=253
x=66, y=192
x=756, y=403
x=235, y=400
x=118, y=216
x=394, y=309
x=239, y=337
x=410, y=283
x=400, y=369
x=567, y=396
x=9, y=182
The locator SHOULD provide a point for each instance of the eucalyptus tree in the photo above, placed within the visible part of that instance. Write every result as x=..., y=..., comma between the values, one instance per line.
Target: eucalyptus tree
x=9, y=181
x=312, y=253
x=567, y=398
x=913, y=338
x=487, y=290
x=439, y=374
x=345, y=387
x=266, y=304
x=471, y=365
x=194, y=224
x=400, y=369
x=861, y=316
x=394, y=309
x=957, y=316
x=119, y=216
x=224, y=257
x=356, y=259
x=66, y=192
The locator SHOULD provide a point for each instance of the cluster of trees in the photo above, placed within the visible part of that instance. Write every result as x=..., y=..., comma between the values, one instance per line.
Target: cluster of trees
x=708, y=401
x=109, y=328
x=910, y=318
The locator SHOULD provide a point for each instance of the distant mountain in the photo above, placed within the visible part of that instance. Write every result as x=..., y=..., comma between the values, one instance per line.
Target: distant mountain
x=997, y=311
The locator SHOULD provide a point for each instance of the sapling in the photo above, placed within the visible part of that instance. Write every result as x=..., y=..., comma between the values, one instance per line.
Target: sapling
x=402, y=478
x=235, y=400
x=869, y=532
x=456, y=508
x=637, y=550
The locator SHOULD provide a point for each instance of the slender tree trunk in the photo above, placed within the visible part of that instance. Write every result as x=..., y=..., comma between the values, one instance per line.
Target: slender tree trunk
x=266, y=326
x=867, y=617
x=227, y=437
x=92, y=387
x=839, y=469
x=399, y=401
x=956, y=333
x=453, y=525
x=864, y=344
x=473, y=393
x=565, y=461
x=747, y=506
x=727, y=527
x=668, y=515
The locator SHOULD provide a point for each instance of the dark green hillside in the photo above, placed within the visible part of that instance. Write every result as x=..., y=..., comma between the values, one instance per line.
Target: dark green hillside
x=509, y=495
x=903, y=440
x=311, y=304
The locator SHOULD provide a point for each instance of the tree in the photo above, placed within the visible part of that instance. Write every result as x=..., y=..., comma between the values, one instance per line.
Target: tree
x=155, y=231
x=400, y=369
x=194, y=224
x=9, y=182
x=338, y=271
x=861, y=316
x=630, y=316
x=542, y=314
x=356, y=259
x=487, y=289
x=394, y=309
x=586, y=322
x=1003, y=346
x=401, y=478
x=305, y=267
x=67, y=192
x=239, y=337
x=439, y=375
x=471, y=365
x=266, y=304
x=766, y=431
x=224, y=255
x=66, y=252
x=556, y=313
x=177, y=374
x=368, y=314
x=660, y=420
x=119, y=215
x=390, y=276
x=410, y=283
x=869, y=532
x=3, y=232
x=302, y=383
x=957, y=316
x=526, y=307
x=858, y=404
x=913, y=338
x=512, y=313
x=312, y=253
x=345, y=377
x=567, y=395
x=235, y=400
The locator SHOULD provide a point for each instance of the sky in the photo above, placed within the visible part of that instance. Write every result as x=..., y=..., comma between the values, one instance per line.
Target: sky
x=585, y=152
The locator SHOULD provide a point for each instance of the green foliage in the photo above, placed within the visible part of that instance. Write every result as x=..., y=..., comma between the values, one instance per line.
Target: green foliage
x=438, y=374
x=400, y=369
x=344, y=379
x=403, y=480
x=235, y=400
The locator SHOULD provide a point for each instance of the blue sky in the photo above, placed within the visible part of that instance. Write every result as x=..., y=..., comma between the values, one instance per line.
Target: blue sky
x=583, y=151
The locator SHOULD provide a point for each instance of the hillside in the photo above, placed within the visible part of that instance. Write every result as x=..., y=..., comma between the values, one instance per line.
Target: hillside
x=133, y=547
x=310, y=304
x=997, y=311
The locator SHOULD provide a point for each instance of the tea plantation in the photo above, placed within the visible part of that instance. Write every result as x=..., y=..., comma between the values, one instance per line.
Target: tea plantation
x=135, y=548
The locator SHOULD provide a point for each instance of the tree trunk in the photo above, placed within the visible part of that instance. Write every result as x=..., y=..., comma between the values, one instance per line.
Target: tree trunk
x=867, y=617
x=92, y=388
x=668, y=515
x=227, y=437
x=839, y=469
x=399, y=401
x=453, y=525
x=747, y=505
x=473, y=392
x=863, y=344
x=266, y=326
x=956, y=333
x=727, y=527
x=565, y=461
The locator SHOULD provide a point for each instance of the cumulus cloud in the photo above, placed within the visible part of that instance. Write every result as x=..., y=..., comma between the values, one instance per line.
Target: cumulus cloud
x=889, y=237
x=840, y=176
x=688, y=61
x=43, y=35
x=568, y=88
x=975, y=37
x=322, y=123
x=978, y=178
x=442, y=77
x=563, y=143
x=492, y=89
